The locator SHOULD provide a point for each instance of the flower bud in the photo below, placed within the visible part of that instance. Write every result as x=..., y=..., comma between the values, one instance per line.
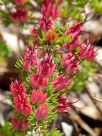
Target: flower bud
x=38, y=96
x=60, y=82
x=42, y=112
x=20, y=15
x=37, y=81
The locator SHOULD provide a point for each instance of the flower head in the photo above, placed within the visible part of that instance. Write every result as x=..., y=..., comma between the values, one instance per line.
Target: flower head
x=23, y=106
x=49, y=9
x=74, y=29
x=64, y=104
x=69, y=47
x=46, y=23
x=21, y=102
x=70, y=63
x=46, y=67
x=60, y=82
x=38, y=96
x=17, y=88
x=87, y=52
x=20, y=15
x=37, y=81
x=30, y=58
x=42, y=112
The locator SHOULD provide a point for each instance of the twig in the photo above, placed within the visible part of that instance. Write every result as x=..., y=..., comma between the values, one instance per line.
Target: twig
x=76, y=117
x=93, y=101
x=97, y=100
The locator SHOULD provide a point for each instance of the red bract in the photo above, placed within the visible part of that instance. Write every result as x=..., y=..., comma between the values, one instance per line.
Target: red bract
x=46, y=67
x=20, y=125
x=42, y=112
x=17, y=88
x=46, y=23
x=74, y=29
x=20, y=15
x=70, y=63
x=37, y=81
x=20, y=1
x=61, y=82
x=23, y=106
x=30, y=58
x=38, y=96
x=87, y=52
x=50, y=10
x=64, y=104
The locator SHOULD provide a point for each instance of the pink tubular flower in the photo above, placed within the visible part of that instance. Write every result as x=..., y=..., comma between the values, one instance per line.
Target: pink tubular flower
x=70, y=63
x=23, y=106
x=75, y=29
x=64, y=104
x=17, y=88
x=37, y=81
x=46, y=67
x=87, y=52
x=46, y=23
x=49, y=9
x=19, y=125
x=20, y=15
x=30, y=58
x=38, y=96
x=19, y=2
x=42, y=112
x=60, y=82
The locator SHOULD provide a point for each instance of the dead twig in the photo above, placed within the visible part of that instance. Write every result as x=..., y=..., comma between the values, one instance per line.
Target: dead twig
x=93, y=101
x=74, y=116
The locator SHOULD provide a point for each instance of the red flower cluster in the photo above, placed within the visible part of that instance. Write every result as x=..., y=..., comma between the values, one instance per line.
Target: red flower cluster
x=38, y=96
x=64, y=104
x=87, y=52
x=75, y=29
x=50, y=12
x=30, y=58
x=46, y=23
x=60, y=82
x=42, y=59
x=20, y=125
x=70, y=63
x=49, y=9
x=46, y=67
x=20, y=15
x=42, y=112
x=21, y=102
x=37, y=81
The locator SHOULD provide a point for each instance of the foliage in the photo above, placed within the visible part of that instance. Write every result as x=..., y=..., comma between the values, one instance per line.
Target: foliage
x=4, y=50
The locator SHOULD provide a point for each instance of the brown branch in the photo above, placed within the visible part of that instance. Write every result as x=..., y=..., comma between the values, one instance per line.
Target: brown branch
x=75, y=117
